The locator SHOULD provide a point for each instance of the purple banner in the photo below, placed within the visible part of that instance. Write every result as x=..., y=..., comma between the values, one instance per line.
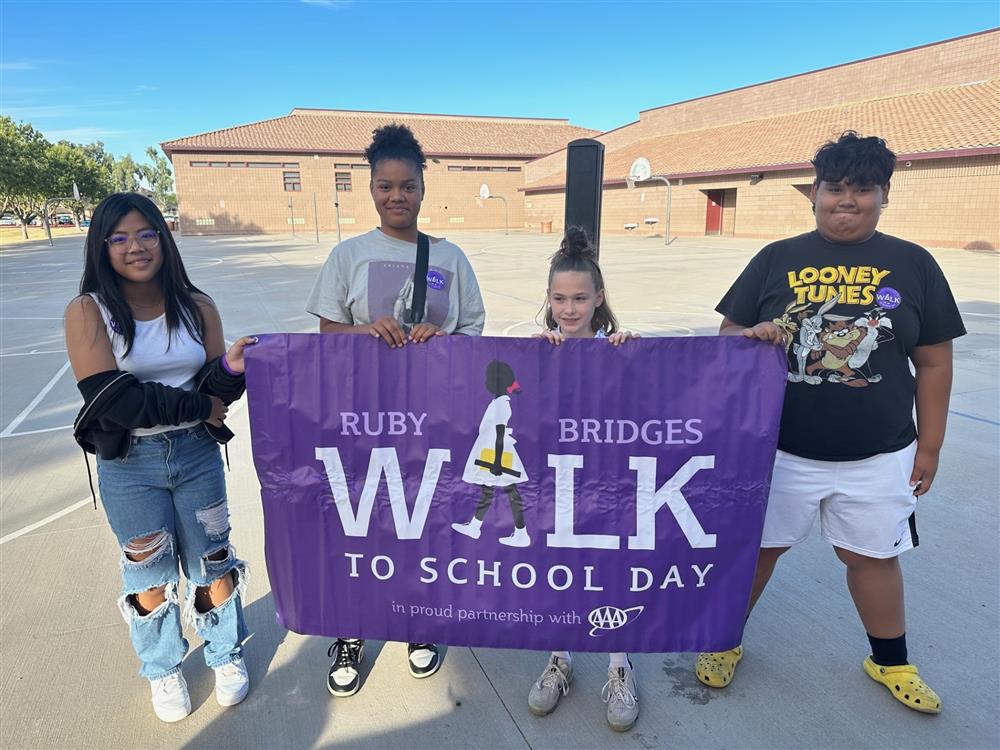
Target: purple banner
x=506, y=492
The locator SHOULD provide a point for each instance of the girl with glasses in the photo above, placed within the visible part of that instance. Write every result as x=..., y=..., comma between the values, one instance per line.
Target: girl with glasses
x=147, y=350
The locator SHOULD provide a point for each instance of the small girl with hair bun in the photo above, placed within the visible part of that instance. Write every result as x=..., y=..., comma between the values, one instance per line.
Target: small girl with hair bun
x=576, y=307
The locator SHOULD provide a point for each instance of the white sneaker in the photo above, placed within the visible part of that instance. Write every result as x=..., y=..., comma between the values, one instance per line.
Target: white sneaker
x=470, y=529
x=171, y=701
x=232, y=683
x=551, y=685
x=622, y=697
x=519, y=538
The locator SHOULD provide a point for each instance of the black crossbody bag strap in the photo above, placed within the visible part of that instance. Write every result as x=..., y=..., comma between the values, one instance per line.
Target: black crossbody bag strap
x=420, y=279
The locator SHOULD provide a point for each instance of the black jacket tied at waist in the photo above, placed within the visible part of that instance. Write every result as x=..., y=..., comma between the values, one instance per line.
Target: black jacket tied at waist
x=115, y=403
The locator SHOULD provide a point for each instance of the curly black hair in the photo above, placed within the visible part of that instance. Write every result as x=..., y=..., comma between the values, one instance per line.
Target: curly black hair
x=577, y=253
x=395, y=141
x=861, y=161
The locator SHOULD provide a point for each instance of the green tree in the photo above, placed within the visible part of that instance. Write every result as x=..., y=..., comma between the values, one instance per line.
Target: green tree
x=105, y=160
x=160, y=179
x=125, y=175
x=22, y=169
x=67, y=163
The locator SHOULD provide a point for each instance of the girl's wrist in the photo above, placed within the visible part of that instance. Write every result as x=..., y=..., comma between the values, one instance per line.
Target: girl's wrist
x=227, y=368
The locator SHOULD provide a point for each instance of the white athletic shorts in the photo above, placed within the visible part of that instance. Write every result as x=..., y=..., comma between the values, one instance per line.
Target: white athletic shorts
x=864, y=506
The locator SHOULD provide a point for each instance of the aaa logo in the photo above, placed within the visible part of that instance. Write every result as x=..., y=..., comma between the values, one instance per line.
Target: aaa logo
x=611, y=618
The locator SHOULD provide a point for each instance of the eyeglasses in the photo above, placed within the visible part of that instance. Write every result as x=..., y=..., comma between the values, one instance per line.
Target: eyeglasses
x=147, y=239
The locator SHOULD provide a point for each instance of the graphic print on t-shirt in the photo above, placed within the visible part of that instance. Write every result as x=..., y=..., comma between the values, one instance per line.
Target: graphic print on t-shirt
x=390, y=291
x=835, y=348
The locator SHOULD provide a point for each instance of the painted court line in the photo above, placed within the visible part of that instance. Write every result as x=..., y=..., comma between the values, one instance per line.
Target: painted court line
x=45, y=521
x=974, y=417
x=36, y=432
x=32, y=352
x=34, y=402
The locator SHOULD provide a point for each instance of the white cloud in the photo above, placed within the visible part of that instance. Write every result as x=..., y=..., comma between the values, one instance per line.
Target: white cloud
x=26, y=64
x=57, y=111
x=332, y=4
x=85, y=134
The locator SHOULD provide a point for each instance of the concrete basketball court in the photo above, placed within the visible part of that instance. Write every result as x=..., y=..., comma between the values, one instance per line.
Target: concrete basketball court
x=68, y=675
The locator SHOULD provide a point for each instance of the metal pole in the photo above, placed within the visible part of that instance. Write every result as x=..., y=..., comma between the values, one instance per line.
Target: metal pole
x=506, y=213
x=669, y=199
x=336, y=205
x=666, y=233
x=45, y=221
x=315, y=217
x=45, y=216
x=291, y=216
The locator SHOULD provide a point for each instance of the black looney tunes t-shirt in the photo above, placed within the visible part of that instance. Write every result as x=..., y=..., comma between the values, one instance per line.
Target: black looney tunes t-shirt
x=852, y=315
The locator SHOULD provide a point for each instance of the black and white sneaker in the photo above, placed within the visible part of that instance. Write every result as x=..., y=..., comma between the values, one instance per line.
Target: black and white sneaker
x=344, y=678
x=423, y=658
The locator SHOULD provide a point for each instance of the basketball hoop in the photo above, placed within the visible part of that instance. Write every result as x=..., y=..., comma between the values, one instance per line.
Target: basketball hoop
x=642, y=171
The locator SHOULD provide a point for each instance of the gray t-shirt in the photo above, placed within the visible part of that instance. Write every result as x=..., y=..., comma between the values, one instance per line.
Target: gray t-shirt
x=371, y=276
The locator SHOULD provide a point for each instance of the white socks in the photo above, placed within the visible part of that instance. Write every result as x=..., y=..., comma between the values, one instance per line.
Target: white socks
x=619, y=660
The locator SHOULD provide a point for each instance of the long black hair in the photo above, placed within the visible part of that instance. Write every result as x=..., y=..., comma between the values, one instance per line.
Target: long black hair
x=100, y=278
x=396, y=141
x=577, y=253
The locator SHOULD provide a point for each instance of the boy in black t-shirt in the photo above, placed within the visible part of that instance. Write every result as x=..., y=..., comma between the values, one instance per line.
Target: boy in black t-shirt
x=852, y=308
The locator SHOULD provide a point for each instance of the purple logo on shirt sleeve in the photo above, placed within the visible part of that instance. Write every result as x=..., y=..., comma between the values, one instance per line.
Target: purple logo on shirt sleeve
x=888, y=298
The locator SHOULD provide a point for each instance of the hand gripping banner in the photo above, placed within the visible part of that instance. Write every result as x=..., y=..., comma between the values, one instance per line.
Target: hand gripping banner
x=510, y=493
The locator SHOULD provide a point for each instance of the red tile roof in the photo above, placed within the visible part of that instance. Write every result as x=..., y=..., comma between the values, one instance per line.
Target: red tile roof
x=943, y=121
x=344, y=131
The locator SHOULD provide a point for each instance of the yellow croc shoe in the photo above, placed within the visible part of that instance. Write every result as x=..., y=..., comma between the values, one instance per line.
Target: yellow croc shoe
x=905, y=685
x=716, y=668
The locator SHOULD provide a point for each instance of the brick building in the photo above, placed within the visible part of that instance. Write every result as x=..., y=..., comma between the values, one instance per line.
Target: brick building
x=263, y=177
x=737, y=161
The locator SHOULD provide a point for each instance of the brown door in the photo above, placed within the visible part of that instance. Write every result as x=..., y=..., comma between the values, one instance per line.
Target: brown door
x=713, y=212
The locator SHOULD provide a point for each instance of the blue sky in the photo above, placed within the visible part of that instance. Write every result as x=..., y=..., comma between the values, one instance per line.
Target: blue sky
x=138, y=73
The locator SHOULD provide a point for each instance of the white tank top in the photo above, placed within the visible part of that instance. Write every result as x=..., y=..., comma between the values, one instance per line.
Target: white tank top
x=152, y=361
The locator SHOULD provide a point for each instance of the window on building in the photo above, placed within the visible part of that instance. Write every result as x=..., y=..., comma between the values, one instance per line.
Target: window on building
x=343, y=181
x=454, y=168
x=263, y=164
x=291, y=165
x=468, y=169
x=198, y=163
x=293, y=183
x=341, y=166
x=237, y=164
x=498, y=169
x=513, y=169
x=359, y=166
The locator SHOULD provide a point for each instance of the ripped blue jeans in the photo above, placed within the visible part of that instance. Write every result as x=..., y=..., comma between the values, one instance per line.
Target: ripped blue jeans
x=166, y=503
